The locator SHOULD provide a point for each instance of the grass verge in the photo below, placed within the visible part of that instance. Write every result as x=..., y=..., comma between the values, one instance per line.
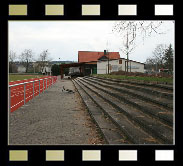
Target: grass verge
x=162, y=80
x=22, y=77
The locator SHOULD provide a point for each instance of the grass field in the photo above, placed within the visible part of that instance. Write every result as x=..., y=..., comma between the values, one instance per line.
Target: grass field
x=22, y=77
x=146, y=79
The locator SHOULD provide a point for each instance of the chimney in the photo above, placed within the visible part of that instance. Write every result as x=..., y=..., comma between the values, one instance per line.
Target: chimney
x=105, y=52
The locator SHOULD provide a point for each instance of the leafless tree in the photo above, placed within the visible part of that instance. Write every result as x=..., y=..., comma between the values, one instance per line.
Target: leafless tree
x=130, y=30
x=157, y=60
x=11, y=57
x=158, y=55
x=44, y=59
x=26, y=58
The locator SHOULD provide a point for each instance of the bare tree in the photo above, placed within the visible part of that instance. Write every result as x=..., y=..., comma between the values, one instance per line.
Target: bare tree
x=158, y=57
x=11, y=57
x=26, y=58
x=150, y=63
x=43, y=60
x=129, y=30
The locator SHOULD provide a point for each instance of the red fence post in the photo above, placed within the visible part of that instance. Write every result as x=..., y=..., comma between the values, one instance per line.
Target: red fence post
x=10, y=99
x=39, y=87
x=24, y=93
x=33, y=88
x=46, y=83
x=43, y=85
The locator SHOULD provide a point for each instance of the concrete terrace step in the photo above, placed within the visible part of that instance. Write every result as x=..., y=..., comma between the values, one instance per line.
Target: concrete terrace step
x=132, y=132
x=163, y=102
x=143, y=83
x=155, y=111
x=152, y=90
x=109, y=131
x=156, y=129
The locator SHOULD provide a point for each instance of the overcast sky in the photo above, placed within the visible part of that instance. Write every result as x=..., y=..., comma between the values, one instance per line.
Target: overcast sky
x=64, y=39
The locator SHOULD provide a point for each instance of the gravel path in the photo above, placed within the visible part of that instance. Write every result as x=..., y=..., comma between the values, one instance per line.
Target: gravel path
x=53, y=118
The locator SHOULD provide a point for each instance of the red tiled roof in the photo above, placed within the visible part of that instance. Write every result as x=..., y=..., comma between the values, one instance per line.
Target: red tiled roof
x=88, y=56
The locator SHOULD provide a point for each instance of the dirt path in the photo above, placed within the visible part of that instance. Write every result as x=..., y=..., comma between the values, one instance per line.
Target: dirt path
x=53, y=118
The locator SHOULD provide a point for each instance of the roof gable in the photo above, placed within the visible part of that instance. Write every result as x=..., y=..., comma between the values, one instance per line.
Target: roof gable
x=103, y=58
x=88, y=56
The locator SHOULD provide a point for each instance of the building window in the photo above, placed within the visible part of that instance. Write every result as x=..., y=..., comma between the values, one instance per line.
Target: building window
x=120, y=61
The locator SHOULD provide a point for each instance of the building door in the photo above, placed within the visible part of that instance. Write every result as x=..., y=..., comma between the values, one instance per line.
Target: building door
x=94, y=71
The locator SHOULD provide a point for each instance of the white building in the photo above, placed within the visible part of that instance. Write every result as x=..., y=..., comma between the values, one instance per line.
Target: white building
x=46, y=70
x=21, y=69
x=118, y=65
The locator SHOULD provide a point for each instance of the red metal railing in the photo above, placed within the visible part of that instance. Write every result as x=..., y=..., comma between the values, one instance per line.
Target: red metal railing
x=20, y=92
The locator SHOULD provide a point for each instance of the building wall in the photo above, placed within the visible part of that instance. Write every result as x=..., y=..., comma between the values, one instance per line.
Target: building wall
x=21, y=69
x=137, y=67
x=46, y=70
x=102, y=66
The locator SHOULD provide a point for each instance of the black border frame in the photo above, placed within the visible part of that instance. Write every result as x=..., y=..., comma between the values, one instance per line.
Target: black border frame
x=73, y=153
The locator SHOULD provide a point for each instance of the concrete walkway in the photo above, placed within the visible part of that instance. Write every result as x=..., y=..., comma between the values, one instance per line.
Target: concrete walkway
x=53, y=118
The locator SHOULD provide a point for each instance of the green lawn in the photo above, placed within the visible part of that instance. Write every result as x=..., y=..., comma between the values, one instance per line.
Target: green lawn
x=146, y=79
x=22, y=77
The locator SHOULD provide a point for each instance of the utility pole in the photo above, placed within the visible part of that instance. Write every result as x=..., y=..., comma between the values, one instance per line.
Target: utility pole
x=105, y=53
x=108, y=64
x=127, y=46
